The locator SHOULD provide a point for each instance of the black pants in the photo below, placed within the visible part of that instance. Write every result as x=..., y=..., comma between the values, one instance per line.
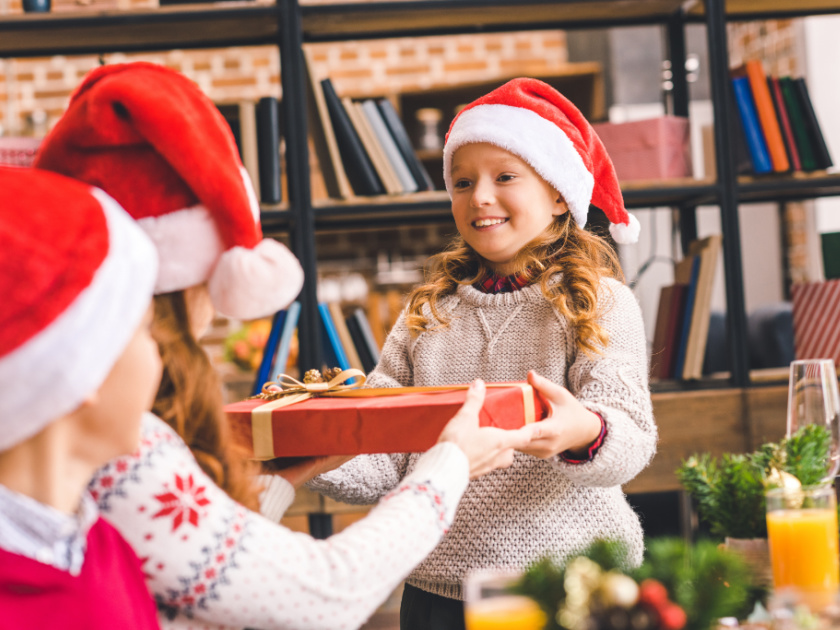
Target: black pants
x=421, y=610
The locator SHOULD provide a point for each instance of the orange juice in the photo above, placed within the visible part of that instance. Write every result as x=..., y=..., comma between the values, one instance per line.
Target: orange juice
x=510, y=612
x=804, y=548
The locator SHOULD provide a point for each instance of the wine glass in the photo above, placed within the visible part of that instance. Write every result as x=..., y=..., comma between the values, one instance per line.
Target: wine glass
x=813, y=398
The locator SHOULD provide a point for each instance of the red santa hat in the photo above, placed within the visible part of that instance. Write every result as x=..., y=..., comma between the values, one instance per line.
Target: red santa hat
x=152, y=140
x=78, y=276
x=534, y=121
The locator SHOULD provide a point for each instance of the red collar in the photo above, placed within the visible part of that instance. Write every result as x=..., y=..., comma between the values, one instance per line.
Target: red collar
x=494, y=283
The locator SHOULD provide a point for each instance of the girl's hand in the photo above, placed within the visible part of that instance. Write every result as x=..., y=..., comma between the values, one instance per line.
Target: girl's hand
x=310, y=467
x=569, y=427
x=486, y=448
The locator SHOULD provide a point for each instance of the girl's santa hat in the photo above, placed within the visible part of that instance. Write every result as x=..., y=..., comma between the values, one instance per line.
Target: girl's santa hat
x=78, y=276
x=152, y=140
x=534, y=121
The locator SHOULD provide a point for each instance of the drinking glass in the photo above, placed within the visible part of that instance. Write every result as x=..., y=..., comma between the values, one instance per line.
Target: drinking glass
x=490, y=604
x=803, y=539
x=813, y=398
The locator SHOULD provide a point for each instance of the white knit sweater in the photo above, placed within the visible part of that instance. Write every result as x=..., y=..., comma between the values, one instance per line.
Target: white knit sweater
x=211, y=563
x=509, y=518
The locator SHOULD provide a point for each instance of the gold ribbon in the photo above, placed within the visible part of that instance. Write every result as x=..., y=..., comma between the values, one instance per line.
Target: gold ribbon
x=289, y=391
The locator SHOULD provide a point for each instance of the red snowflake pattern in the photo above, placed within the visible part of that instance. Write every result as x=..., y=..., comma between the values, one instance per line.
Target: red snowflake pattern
x=183, y=502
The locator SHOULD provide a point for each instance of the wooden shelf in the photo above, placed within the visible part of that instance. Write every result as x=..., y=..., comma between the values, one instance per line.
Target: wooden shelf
x=178, y=26
x=441, y=17
x=738, y=10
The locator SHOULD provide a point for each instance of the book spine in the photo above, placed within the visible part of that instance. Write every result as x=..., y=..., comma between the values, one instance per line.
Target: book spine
x=357, y=164
x=395, y=126
x=371, y=145
x=685, y=326
x=797, y=121
x=392, y=153
x=281, y=357
x=333, y=345
x=250, y=150
x=821, y=154
x=672, y=332
x=752, y=129
x=367, y=341
x=767, y=116
x=784, y=122
x=270, y=350
x=268, y=146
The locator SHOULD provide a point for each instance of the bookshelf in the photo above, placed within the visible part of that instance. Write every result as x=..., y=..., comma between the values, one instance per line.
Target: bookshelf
x=289, y=25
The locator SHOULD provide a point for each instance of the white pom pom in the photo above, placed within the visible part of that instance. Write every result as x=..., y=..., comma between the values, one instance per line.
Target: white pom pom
x=251, y=283
x=626, y=233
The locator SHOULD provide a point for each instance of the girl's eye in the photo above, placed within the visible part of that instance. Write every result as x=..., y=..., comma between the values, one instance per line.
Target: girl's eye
x=506, y=177
x=462, y=183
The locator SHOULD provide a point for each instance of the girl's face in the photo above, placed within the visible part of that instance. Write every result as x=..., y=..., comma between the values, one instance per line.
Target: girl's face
x=500, y=203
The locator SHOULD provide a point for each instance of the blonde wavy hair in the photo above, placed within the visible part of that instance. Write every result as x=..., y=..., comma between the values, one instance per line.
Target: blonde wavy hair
x=190, y=401
x=564, y=251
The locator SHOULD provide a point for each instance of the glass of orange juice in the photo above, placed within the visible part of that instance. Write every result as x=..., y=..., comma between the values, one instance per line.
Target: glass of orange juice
x=491, y=604
x=803, y=538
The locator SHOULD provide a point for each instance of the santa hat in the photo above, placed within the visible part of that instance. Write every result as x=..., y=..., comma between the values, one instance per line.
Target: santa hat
x=78, y=276
x=534, y=121
x=152, y=140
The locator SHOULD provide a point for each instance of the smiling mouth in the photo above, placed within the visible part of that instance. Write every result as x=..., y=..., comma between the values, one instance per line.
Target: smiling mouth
x=481, y=223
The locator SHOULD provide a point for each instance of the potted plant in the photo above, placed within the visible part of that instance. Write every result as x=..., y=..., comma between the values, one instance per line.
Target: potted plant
x=729, y=491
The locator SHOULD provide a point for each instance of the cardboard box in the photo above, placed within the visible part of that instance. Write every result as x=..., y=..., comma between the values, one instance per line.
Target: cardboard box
x=372, y=420
x=657, y=148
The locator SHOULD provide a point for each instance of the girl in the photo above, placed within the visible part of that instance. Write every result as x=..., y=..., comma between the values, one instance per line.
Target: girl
x=149, y=136
x=79, y=369
x=524, y=290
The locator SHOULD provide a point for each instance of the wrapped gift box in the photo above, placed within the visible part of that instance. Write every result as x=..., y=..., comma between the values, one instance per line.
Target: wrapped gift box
x=371, y=420
x=657, y=148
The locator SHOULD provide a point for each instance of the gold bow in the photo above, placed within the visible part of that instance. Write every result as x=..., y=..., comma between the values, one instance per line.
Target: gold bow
x=286, y=385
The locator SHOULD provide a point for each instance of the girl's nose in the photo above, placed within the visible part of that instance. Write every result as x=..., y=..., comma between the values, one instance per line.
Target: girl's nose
x=482, y=193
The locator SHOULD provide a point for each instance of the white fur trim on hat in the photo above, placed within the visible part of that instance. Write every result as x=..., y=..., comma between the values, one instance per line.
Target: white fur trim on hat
x=626, y=233
x=538, y=141
x=188, y=245
x=251, y=283
x=51, y=374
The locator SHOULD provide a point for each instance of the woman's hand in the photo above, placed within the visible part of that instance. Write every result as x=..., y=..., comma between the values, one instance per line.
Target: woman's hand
x=569, y=427
x=308, y=468
x=486, y=448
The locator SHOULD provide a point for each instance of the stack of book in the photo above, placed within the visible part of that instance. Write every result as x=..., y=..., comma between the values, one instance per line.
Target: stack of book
x=682, y=320
x=256, y=129
x=362, y=146
x=777, y=130
x=348, y=342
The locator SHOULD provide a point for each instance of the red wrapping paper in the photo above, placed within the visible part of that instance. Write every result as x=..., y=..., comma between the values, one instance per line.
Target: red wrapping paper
x=403, y=423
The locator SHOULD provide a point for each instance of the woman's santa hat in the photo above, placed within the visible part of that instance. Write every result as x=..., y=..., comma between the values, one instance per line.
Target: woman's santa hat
x=534, y=121
x=152, y=140
x=78, y=276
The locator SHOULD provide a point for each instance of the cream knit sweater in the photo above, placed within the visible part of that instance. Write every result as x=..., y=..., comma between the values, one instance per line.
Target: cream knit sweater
x=511, y=517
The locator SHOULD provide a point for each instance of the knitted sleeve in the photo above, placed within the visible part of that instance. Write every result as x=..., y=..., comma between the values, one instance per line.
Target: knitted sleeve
x=365, y=479
x=615, y=385
x=209, y=559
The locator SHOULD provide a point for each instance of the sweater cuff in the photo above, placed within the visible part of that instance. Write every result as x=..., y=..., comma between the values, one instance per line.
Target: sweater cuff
x=446, y=468
x=276, y=497
x=567, y=456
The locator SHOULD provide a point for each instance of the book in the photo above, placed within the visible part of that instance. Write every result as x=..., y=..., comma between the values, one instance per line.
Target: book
x=737, y=140
x=685, y=272
x=230, y=112
x=759, y=156
x=706, y=251
x=362, y=335
x=360, y=171
x=797, y=122
x=400, y=135
x=248, y=140
x=323, y=137
x=668, y=318
x=821, y=155
x=344, y=335
x=831, y=254
x=784, y=123
x=334, y=354
x=816, y=320
x=386, y=141
x=374, y=150
x=281, y=356
x=268, y=144
x=767, y=115
x=264, y=370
